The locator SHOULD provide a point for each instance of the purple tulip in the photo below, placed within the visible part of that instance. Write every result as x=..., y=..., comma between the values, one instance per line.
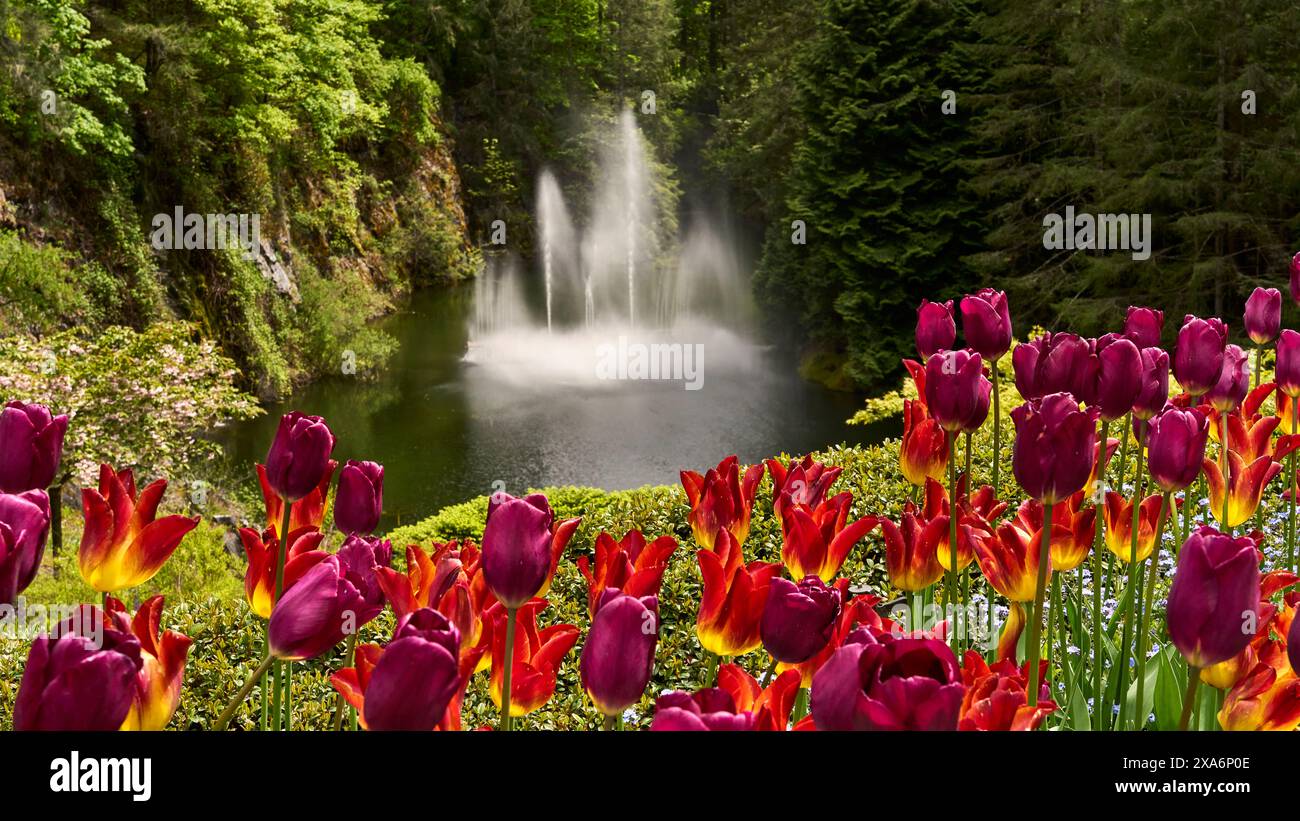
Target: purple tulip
x=1198, y=356
x=1154, y=393
x=1234, y=381
x=82, y=677
x=31, y=445
x=361, y=558
x=317, y=613
x=299, y=455
x=1263, y=315
x=798, y=619
x=360, y=499
x=986, y=320
x=1287, y=374
x=1053, y=363
x=619, y=655
x=935, y=329
x=517, y=547
x=417, y=675
x=1055, y=446
x=1119, y=376
x=886, y=683
x=956, y=390
x=1143, y=326
x=1214, y=598
x=1295, y=278
x=1176, y=440
x=707, y=709
x=24, y=524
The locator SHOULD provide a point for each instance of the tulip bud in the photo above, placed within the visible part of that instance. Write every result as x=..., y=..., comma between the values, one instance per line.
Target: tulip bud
x=1055, y=447
x=1154, y=392
x=1234, y=381
x=798, y=619
x=1119, y=376
x=360, y=499
x=986, y=320
x=619, y=655
x=1288, y=363
x=883, y=683
x=1176, y=440
x=31, y=444
x=416, y=676
x=299, y=455
x=935, y=329
x=1263, y=315
x=1214, y=598
x=517, y=548
x=1054, y=363
x=956, y=390
x=24, y=523
x=83, y=677
x=317, y=613
x=1198, y=356
x=1143, y=326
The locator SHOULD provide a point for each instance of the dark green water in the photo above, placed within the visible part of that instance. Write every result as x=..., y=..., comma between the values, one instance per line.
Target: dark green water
x=447, y=430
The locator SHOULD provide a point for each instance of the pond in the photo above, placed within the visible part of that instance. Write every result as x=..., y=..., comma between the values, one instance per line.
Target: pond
x=449, y=424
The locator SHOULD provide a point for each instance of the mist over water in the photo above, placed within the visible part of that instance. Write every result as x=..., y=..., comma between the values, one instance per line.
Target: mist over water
x=500, y=383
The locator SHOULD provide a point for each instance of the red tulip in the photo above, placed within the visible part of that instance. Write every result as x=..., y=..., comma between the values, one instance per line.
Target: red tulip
x=986, y=320
x=1293, y=645
x=770, y=706
x=878, y=682
x=816, y=541
x=1263, y=315
x=957, y=393
x=857, y=611
x=1010, y=561
x=1268, y=698
x=163, y=655
x=263, y=552
x=299, y=455
x=731, y=606
x=721, y=499
x=1119, y=525
x=24, y=523
x=81, y=677
x=800, y=483
x=409, y=684
x=123, y=545
x=632, y=566
x=360, y=500
x=31, y=445
x=923, y=452
x=307, y=512
x=1154, y=392
x=449, y=582
x=619, y=655
x=1073, y=527
x=798, y=619
x=995, y=698
x=911, y=550
x=935, y=329
x=316, y=613
x=1244, y=490
x=1143, y=326
x=537, y=657
x=1214, y=596
x=1198, y=357
x=1055, y=447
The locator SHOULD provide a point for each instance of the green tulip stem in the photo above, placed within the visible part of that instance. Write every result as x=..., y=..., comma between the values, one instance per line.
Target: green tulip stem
x=339, y=706
x=229, y=712
x=1189, y=700
x=509, y=662
x=288, y=696
x=1123, y=451
x=1227, y=469
x=282, y=553
x=1148, y=604
x=800, y=706
x=610, y=723
x=1259, y=362
x=997, y=433
x=266, y=693
x=1291, y=486
x=1055, y=652
x=771, y=671
x=951, y=607
x=1134, y=580
x=1036, y=620
x=1097, y=584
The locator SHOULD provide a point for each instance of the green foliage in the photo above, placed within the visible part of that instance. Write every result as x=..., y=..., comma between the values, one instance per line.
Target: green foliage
x=43, y=289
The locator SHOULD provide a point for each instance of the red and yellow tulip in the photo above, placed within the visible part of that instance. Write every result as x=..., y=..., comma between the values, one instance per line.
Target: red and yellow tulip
x=163, y=655
x=1244, y=489
x=124, y=544
x=1268, y=698
x=263, y=552
x=816, y=541
x=912, y=548
x=923, y=452
x=1118, y=513
x=537, y=656
x=631, y=565
x=770, y=705
x=309, y=511
x=1073, y=524
x=995, y=698
x=731, y=607
x=857, y=611
x=721, y=500
x=805, y=482
x=1009, y=560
